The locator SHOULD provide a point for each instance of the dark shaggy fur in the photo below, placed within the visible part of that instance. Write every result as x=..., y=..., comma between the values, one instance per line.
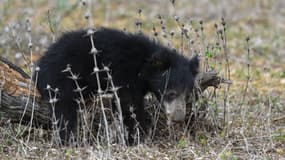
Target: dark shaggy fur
x=138, y=65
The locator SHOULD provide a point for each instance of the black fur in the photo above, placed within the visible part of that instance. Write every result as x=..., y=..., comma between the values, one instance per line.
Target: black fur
x=138, y=65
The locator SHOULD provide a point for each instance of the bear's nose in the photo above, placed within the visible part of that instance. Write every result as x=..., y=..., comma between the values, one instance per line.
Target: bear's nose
x=178, y=116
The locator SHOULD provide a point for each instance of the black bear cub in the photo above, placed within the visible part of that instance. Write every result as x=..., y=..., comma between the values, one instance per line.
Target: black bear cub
x=138, y=65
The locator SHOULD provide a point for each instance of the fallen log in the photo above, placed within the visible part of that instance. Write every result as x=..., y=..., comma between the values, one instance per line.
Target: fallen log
x=20, y=102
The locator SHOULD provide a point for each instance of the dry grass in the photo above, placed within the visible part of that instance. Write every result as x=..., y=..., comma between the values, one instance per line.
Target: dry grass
x=250, y=112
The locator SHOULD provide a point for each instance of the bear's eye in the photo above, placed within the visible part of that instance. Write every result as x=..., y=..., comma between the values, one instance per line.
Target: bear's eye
x=171, y=95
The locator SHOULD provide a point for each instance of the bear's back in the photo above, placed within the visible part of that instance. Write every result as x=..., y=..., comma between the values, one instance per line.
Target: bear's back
x=124, y=53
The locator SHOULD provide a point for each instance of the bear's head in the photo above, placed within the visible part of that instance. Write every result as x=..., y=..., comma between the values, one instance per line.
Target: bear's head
x=170, y=76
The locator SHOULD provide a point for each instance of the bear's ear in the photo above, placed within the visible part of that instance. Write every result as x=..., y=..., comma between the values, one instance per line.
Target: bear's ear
x=194, y=65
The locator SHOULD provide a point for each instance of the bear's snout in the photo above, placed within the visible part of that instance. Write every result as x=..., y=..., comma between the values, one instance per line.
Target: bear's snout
x=178, y=116
x=176, y=109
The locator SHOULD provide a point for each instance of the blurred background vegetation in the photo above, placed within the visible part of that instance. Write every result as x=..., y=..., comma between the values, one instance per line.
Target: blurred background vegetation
x=263, y=21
